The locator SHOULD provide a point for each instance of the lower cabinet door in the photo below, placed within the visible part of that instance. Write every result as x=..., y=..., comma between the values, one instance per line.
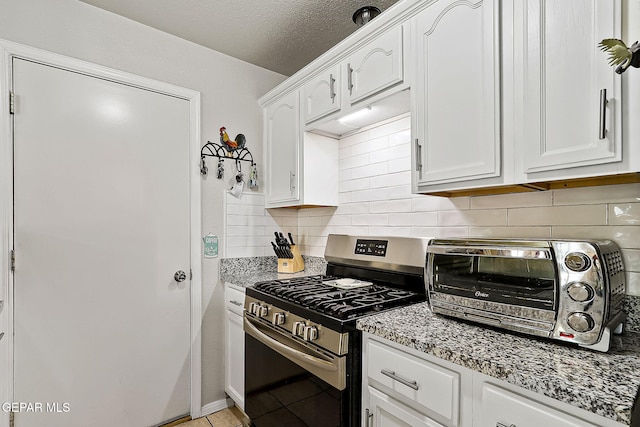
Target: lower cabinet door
x=501, y=407
x=234, y=357
x=383, y=411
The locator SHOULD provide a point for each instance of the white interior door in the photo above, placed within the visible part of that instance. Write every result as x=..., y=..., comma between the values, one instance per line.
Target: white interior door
x=101, y=224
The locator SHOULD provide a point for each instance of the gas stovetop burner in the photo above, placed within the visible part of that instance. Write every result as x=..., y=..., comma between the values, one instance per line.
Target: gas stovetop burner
x=317, y=294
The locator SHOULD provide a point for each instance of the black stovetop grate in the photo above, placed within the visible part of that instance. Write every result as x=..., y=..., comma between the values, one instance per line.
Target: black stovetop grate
x=311, y=293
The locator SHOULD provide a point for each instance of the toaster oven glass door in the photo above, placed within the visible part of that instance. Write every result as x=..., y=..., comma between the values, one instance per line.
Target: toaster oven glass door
x=516, y=281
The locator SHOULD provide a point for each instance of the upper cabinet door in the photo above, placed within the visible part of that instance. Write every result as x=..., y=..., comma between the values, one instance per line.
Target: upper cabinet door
x=569, y=94
x=376, y=66
x=282, y=135
x=321, y=95
x=457, y=84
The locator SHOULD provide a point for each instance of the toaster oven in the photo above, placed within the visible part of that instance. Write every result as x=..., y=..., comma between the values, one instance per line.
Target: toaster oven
x=570, y=291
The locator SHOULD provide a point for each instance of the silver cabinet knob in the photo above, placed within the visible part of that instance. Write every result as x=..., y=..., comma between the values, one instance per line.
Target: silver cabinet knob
x=580, y=322
x=580, y=292
x=180, y=276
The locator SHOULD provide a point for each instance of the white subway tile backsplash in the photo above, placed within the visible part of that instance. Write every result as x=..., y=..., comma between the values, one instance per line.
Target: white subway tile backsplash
x=631, y=259
x=488, y=217
x=402, y=205
x=397, y=152
x=402, y=137
x=559, y=215
x=370, y=219
x=373, y=169
x=354, y=161
x=633, y=284
x=391, y=180
x=596, y=195
x=353, y=209
x=518, y=200
x=412, y=219
x=391, y=127
x=433, y=203
x=439, y=232
x=370, y=146
x=390, y=231
x=370, y=195
x=624, y=236
x=399, y=165
x=511, y=232
x=624, y=214
x=354, y=184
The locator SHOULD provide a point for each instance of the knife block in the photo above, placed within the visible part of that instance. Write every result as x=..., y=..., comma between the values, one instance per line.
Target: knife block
x=291, y=265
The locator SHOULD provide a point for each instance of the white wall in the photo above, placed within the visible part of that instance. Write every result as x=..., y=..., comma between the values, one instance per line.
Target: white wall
x=376, y=200
x=229, y=88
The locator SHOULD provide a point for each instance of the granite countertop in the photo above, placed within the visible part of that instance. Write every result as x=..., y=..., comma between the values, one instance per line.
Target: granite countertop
x=245, y=272
x=604, y=383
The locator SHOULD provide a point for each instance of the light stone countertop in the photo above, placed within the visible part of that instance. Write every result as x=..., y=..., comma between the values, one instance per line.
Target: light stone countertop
x=247, y=271
x=603, y=383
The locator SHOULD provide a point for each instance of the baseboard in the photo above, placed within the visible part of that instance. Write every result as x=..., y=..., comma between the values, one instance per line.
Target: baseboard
x=216, y=406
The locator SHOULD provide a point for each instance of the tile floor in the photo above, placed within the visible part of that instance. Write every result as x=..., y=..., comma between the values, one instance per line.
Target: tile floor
x=229, y=417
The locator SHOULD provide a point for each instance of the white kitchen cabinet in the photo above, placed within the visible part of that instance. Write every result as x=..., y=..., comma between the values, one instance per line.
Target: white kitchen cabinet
x=234, y=344
x=375, y=66
x=282, y=145
x=497, y=403
x=456, y=111
x=301, y=167
x=322, y=95
x=383, y=411
x=567, y=98
x=401, y=385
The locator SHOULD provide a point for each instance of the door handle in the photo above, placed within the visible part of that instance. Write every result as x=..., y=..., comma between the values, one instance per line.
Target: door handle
x=180, y=276
x=418, y=156
x=350, y=78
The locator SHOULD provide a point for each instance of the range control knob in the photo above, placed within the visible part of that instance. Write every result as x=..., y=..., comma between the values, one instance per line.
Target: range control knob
x=577, y=261
x=580, y=291
x=278, y=319
x=263, y=311
x=298, y=328
x=310, y=333
x=253, y=308
x=580, y=322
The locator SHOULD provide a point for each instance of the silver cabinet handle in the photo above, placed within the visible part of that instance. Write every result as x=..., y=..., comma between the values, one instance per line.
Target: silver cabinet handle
x=332, y=88
x=238, y=303
x=291, y=181
x=350, y=78
x=391, y=374
x=418, y=156
x=368, y=417
x=602, y=126
x=499, y=424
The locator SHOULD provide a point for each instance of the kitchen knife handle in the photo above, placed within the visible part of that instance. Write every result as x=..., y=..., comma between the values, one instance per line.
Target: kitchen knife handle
x=291, y=239
x=275, y=249
x=602, y=128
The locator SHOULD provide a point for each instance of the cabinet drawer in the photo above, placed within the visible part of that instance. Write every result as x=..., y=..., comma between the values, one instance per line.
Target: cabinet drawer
x=435, y=390
x=503, y=407
x=234, y=299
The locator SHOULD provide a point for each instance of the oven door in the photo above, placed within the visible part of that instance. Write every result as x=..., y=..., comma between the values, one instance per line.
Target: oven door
x=289, y=383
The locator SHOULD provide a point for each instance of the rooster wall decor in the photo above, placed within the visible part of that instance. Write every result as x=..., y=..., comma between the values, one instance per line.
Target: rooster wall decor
x=620, y=55
x=231, y=146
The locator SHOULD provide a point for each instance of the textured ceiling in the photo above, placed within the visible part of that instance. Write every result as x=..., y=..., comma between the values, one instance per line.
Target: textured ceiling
x=280, y=35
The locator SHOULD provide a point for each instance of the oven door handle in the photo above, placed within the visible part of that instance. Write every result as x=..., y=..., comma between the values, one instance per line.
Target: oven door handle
x=265, y=339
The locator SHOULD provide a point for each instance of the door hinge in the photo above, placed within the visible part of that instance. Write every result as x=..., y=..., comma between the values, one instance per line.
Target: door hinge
x=12, y=103
x=13, y=260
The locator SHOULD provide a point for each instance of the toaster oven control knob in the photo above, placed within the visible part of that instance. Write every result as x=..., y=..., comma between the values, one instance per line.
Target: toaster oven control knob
x=310, y=333
x=278, y=319
x=580, y=291
x=298, y=328
x=577, y=261
x=580, y=322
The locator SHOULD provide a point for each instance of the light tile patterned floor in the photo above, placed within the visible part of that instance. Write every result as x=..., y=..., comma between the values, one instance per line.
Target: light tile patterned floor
x=229, y=417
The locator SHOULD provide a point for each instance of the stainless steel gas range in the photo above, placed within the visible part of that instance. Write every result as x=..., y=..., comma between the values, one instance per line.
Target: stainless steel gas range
x=302, y=349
